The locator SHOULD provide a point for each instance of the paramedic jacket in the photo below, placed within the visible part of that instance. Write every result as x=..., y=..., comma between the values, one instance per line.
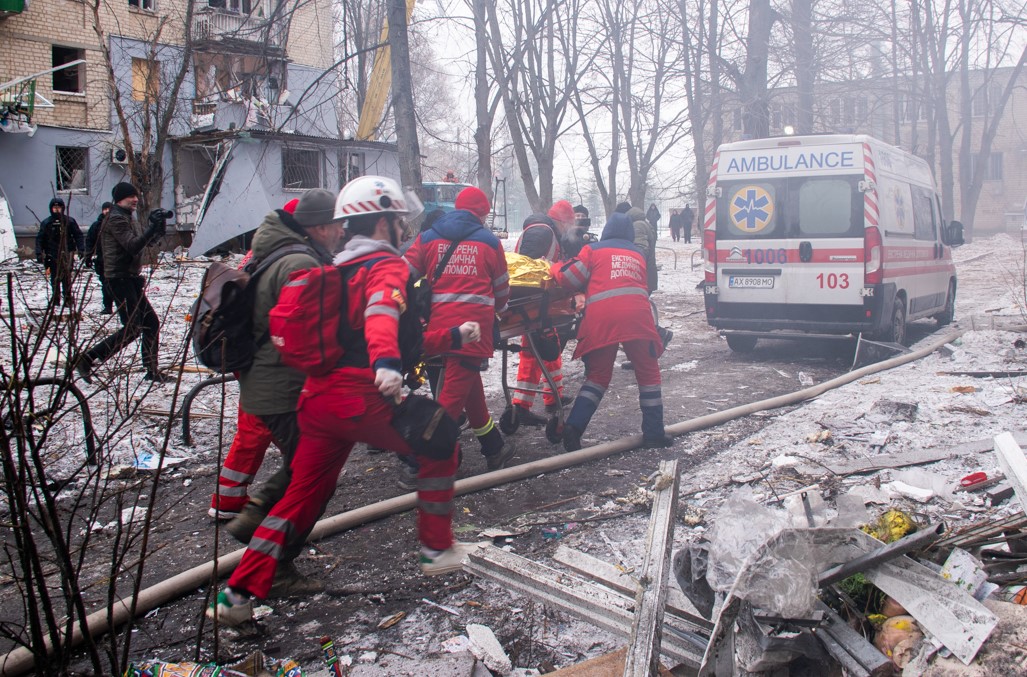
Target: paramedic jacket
x=475, y=284
x=612, y=273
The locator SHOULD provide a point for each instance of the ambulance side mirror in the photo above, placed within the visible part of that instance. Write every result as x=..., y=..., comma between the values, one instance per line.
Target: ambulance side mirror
x=953, y=235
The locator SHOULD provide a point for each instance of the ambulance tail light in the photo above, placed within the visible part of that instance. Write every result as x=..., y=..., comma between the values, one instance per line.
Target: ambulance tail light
x=709, y=245
x=873, y=254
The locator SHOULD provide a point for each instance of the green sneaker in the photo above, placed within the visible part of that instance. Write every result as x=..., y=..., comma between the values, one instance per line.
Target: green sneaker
x=229, y=613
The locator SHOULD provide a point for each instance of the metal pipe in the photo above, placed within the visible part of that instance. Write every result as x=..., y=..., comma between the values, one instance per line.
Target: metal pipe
x=21, y=660
x=911, y=543
x=187, y=402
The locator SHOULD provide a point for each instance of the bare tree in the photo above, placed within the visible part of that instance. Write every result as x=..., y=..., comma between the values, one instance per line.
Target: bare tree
x=158, y=105
x=403, y=97
x=536, y=69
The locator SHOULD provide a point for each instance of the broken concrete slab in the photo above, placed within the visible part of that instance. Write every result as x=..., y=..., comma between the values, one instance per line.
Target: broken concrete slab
x=487, y=648
x=1013, y=463
x=1004, y=654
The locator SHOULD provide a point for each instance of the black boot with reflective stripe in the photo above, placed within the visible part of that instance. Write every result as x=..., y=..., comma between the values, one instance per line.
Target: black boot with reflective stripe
x=494, y=448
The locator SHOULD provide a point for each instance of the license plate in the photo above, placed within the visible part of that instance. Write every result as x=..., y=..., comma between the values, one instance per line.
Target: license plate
x=750, y=282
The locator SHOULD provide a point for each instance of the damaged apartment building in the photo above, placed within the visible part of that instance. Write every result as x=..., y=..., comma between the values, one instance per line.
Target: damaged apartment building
x=254, y=122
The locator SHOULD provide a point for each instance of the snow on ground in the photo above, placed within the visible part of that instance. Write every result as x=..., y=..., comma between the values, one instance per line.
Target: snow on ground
x=989, y=301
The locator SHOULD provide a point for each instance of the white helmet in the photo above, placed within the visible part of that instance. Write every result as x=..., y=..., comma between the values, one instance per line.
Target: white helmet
x=375, y=195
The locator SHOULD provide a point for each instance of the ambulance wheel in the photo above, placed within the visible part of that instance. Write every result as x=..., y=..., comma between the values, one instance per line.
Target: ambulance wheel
x=949, y=312
x=741, y=344
x=897, y=331
x=508, y=423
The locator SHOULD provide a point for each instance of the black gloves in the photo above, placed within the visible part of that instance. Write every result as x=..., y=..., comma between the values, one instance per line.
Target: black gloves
x=158, y=225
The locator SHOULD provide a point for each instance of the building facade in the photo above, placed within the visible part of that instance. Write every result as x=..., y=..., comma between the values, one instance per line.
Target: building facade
x=254, y=122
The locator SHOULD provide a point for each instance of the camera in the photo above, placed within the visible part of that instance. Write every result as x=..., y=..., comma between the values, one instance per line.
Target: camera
x=162, y=214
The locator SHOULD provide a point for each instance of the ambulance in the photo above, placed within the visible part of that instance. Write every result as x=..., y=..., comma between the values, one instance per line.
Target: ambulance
x=833, y=235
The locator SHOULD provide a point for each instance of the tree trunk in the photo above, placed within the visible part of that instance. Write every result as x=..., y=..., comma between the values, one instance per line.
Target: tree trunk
x=403, y=98
x=802, y=34
x=753, y=85
x=483, y=113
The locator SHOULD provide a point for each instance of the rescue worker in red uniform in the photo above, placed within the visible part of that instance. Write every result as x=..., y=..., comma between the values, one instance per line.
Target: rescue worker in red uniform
x=612, y=274
x=355, y=403
x=474, y=285
x=543, y=237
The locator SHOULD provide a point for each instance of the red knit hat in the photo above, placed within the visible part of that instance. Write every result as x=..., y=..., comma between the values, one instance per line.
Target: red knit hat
x=562, y=211
x=290, y=206
x=473, y=200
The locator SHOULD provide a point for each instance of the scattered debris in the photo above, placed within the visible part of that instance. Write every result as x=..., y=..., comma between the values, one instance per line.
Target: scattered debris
x=487, y=648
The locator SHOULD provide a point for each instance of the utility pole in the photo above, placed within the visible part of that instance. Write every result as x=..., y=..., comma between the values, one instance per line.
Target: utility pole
x=403, y=97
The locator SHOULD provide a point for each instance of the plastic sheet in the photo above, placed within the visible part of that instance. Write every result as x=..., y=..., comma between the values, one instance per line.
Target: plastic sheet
x=750, y=556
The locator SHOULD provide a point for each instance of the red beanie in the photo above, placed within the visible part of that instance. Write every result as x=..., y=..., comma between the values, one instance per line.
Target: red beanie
x=473, y=200
x=562, y=211
x=290, y=206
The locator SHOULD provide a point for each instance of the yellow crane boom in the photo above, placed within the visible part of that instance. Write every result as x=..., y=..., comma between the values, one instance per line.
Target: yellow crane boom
x=380, y=83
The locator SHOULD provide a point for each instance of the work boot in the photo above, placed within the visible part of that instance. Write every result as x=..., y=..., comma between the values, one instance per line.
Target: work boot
x=525, y=416
x=446, y=561
x=157, y=377
x=289, y=582
x=661, y=442
x=231, y=609
x=494, y=448
x=626, y=364
x=571, y=437
x=84, y=368
x=245, y=524
x=406, y=479
x=665, y=335
x=107, y=311
x=650, y=402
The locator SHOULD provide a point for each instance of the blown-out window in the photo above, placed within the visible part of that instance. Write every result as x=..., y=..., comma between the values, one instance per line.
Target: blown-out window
x=301, y=168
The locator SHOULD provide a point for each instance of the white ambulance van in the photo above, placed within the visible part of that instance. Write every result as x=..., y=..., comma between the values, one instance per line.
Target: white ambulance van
x=824, y=235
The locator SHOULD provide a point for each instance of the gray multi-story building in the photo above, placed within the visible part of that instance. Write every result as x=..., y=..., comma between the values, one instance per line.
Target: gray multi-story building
x=254, y=122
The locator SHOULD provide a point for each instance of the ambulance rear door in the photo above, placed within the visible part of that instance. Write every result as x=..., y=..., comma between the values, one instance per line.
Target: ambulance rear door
x=790, y=226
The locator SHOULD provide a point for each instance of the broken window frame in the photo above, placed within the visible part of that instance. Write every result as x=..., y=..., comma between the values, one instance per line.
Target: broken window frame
x=148, y=71
x=71, y=169
x=350, y=166
x=69, y=80
x=310, y=172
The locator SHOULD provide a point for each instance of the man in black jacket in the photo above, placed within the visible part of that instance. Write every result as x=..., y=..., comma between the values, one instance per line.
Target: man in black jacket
x=122, y=241
x=59, y=237
x=94, y=257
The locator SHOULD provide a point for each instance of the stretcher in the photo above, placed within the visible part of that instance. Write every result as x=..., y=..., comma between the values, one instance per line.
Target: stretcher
x=548, y=318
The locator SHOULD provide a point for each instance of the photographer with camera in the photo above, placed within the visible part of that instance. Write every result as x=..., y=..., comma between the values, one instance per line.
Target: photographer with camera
x=123, y=241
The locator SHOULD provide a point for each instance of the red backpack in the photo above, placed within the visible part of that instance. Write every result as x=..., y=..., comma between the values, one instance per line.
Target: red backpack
x=304, y=324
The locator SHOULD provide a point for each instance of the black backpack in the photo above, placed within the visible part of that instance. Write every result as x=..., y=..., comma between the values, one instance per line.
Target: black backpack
x=222, y=315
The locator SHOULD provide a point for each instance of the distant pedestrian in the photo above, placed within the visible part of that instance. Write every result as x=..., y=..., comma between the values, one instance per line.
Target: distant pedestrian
x=653, y=217
x=687, y=217
x=675, y=224
x=122, y=241
x=94, y=258
x=58, y=239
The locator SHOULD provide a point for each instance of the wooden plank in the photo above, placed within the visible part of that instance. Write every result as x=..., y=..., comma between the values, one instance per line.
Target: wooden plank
x=910, y=458
x=608, y=665
x=612, y=577
x=587, y=601
x=1013, y=464
x=650, y=603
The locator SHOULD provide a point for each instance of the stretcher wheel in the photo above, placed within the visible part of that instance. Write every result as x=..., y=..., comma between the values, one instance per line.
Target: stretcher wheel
x=508, y=422
x=554, y=430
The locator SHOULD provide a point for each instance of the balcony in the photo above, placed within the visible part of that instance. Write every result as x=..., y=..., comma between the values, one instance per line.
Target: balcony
x=221, y=25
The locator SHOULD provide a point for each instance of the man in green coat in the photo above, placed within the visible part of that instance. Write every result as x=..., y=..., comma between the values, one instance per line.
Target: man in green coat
x=269, y=389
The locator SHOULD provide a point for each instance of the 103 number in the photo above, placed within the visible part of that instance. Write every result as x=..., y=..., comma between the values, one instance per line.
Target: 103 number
x=833, y=280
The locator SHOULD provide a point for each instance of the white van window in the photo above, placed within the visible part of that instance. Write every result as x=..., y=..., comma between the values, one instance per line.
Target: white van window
x=924, y=227
x=796, y=207
x=825, y=207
